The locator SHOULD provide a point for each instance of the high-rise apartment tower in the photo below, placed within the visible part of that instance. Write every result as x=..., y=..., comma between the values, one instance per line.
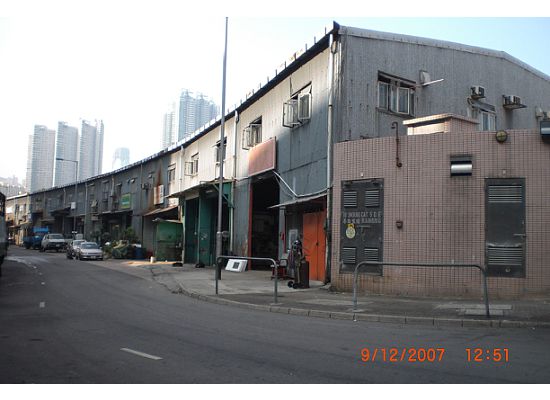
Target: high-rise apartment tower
x=66, y=147
x=90, y=149
x=194, y=111
x=40, y=159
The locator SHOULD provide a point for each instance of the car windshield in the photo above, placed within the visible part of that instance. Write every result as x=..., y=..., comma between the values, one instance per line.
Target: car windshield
x=89, y=246
x=56, y=236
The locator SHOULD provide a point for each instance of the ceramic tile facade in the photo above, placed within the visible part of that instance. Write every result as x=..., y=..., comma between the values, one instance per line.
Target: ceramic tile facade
x=443, y=216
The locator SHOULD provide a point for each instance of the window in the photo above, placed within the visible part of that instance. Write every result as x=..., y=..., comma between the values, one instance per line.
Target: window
x=297, y=110
x=105, y=193
x=395, y=95
x=217, y=150
x=487, y=121
x=171, y=178
x=252, y=134
x=192, y=167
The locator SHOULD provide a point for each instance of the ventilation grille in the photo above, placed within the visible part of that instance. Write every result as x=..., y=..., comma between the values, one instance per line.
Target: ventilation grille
x=349, y=255
x=505, y=256
x=371, y=254
x=350, y=199
x=505, y=194
x=372, y=198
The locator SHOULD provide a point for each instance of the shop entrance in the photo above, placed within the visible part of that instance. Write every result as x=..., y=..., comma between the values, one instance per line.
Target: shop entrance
x=264, y=222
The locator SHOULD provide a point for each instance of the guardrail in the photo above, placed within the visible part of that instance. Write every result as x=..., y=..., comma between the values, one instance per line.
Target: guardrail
x=413, y=265
x=273, y=263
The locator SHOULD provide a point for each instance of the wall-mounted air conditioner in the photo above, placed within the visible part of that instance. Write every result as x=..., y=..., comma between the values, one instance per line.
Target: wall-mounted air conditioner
x=477, y=92
x=512, y=102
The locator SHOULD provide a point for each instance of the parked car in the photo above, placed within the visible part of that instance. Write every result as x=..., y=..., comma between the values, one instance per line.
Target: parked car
x=71, y=248
x=89, y=251
x=53, y=241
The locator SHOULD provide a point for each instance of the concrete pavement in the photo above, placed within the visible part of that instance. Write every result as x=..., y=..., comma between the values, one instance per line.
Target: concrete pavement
x=255, y=290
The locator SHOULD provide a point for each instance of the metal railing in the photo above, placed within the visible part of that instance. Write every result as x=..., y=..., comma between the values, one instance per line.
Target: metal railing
x=271, y=260
x=413, y=265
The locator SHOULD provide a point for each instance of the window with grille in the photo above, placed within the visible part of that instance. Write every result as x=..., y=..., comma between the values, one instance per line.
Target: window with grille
x=217, y=150
x=252, y=134
x=192, y=167
x=396, y=95
x=297, y=110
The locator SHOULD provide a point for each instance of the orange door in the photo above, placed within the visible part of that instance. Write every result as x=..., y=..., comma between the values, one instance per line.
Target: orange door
x=314, y=244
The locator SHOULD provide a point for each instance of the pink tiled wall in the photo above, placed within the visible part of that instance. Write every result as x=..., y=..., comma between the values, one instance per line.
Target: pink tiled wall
x=443, y=217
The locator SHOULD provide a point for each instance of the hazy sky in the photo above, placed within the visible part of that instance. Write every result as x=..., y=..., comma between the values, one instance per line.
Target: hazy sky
x=126, y=65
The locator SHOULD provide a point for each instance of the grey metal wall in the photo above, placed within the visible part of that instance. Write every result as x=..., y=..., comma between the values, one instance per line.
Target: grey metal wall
x=365, y=53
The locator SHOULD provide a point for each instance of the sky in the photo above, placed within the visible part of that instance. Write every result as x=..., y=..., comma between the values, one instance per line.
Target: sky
x=125, y=63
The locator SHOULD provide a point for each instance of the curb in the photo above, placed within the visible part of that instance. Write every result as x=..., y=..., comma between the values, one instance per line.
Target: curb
x=348, y=316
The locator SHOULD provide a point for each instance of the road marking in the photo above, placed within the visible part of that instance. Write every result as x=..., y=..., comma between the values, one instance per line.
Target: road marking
x=139, y=353
x=42, y=304
x=43, y=283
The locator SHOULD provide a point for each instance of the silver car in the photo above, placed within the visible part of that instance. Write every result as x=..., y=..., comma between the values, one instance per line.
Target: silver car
x=89, y=251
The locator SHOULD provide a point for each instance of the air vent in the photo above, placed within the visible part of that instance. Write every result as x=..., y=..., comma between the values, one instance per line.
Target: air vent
x=505, y=194
x=350, y=199
x=505, y=256
x=371, y=254
x=349, y=255
x=372, y=198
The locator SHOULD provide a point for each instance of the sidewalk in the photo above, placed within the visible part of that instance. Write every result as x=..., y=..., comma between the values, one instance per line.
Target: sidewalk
x=255, y=290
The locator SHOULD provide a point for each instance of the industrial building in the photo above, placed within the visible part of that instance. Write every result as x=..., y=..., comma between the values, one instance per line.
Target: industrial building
x=367, y=146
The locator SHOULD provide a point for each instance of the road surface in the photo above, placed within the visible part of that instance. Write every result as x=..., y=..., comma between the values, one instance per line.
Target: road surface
x=68, y=321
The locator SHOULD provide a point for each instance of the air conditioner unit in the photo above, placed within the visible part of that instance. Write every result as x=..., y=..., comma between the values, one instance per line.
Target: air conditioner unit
x=477, y=92
x=512, y=100
x=546, y=115
x=145, y=186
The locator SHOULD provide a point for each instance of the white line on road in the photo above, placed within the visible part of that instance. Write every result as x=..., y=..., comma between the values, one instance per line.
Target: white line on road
x=42, y=304
x=139, y=353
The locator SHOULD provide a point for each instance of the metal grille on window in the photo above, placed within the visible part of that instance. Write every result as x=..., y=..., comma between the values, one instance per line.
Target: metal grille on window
x=372, y=198
x=371, y=254
x=505, y=194
x=349, y=255
x=350, y=199
x=505, y=256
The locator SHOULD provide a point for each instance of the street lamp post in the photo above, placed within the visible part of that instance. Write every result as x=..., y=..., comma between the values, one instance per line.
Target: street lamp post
x=75, y=189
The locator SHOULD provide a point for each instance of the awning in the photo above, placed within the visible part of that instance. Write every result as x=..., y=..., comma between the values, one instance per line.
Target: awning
x=115, y=212
x=160, y=211
x=482, y=106
x=61, y=211
x=202, y=184
x=300, y=200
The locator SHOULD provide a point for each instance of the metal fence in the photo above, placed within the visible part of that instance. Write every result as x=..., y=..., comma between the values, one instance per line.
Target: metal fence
x=413, y=265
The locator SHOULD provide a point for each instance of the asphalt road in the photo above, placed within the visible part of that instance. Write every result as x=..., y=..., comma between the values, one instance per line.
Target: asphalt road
x=66, y=321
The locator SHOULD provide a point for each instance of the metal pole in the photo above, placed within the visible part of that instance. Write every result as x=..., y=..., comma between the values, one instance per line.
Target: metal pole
x=222, y=157
x=75, y=197
x=273, y=262
x=487, y=314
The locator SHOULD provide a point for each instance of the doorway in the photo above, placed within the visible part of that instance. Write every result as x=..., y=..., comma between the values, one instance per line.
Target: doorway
x=264, y=222
x=314, y=241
